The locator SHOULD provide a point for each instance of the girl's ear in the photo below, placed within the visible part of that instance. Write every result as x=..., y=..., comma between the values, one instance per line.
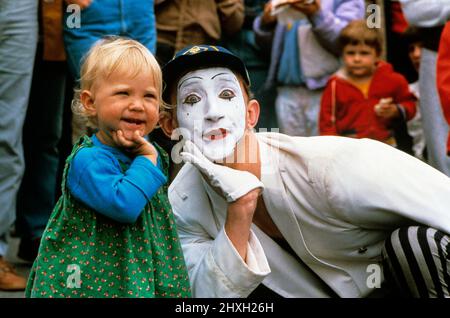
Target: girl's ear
x=252, y=114
x=87, y=99
x=167, y=122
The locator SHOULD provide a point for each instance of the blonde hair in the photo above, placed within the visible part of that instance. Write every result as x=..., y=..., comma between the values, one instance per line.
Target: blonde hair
x=114, y=55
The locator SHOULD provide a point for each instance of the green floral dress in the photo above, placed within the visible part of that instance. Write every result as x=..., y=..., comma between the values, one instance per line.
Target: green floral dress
x=85, y=254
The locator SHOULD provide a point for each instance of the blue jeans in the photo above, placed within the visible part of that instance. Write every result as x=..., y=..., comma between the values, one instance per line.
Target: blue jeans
x=18, y=39
x=132, y=19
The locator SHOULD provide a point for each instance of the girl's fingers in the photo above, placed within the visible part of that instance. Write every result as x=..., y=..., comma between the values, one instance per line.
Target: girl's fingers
x=138, y=139
x=142, y=143
x=135, y=143
x=121, y=140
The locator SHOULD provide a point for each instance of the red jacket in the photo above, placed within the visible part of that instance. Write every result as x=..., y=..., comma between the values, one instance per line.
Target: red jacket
x=443, y=75
x=345, y=111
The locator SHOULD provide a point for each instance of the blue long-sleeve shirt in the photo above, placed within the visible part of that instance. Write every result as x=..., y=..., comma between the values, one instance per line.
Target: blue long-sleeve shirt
x=95, y=178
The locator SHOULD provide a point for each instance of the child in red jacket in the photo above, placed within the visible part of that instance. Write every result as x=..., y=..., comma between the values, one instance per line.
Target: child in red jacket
x=366, y=98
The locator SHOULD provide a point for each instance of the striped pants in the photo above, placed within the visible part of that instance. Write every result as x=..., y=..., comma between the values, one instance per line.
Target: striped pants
x=416, y=262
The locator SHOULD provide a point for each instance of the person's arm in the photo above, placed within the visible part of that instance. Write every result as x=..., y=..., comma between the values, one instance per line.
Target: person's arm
x=240, y=188
x=231, y=15
x=216, y=269
x=327, y=25
x=96, y=179
x=371, y=185
x=239, y=219
x=401, y=106
x=426, y=13
x=227, y=266
x=264, y=28
x=327, y=116
x=405, y=100
x=443, y=76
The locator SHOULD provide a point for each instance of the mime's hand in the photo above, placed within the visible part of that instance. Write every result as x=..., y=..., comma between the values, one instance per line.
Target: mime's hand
x=233, y=184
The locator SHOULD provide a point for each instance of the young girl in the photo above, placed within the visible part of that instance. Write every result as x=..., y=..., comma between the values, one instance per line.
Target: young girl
x=112, y=232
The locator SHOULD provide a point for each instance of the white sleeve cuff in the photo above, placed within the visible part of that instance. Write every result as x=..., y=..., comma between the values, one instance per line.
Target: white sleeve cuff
x=243, y=277
x=244, y=189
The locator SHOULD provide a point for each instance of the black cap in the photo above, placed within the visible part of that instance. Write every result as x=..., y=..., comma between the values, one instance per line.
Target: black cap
x=201, y=56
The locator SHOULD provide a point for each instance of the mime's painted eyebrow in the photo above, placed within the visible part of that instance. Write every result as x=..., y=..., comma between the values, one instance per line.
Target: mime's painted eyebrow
x=219, y=74
x=198, y=77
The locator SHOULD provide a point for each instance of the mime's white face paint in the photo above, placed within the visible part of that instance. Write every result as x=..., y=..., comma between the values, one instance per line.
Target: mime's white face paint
x=210, y=105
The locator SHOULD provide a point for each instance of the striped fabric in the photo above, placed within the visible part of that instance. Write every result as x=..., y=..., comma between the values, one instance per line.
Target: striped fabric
x=416, y=260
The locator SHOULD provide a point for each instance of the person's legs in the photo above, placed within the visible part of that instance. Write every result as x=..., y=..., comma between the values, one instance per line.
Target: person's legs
x=297, y=110
x=101, y=18
x=41, y=135
x=18, y=39
x=313, y=98
x=434, y=125
x=3, y=245
x=290, y=110
x=417, y=261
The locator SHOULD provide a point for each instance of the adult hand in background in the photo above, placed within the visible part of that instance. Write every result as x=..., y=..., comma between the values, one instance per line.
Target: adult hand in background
x=267, y=17
x=307, y=7
x=82, y=3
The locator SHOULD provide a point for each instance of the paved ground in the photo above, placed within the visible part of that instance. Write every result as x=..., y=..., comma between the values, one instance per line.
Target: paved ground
x=21, y=267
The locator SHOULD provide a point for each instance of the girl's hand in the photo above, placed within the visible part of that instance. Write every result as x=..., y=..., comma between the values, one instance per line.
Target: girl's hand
x=81, y=3
x=136, y=145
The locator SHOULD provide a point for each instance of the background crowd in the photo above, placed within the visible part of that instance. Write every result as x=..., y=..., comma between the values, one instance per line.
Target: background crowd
x=293, y=58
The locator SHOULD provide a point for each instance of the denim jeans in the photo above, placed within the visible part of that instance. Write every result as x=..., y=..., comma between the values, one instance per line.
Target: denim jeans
x=132, y=19
x=18, y=39
x=41, y=136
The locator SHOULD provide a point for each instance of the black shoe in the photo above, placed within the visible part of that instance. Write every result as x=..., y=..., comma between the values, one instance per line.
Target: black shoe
x=28, y=249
